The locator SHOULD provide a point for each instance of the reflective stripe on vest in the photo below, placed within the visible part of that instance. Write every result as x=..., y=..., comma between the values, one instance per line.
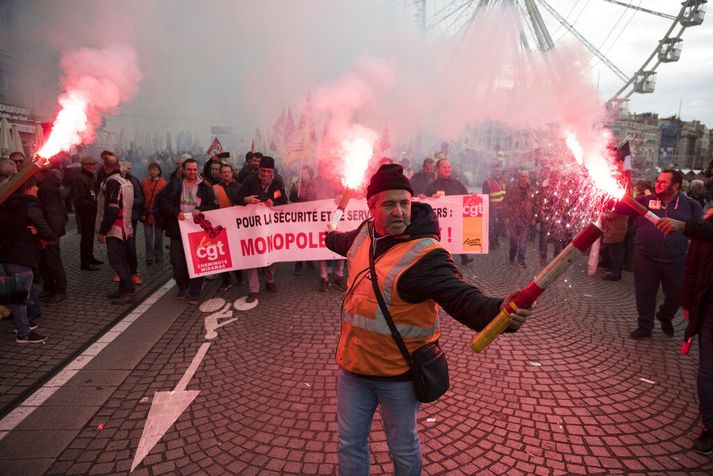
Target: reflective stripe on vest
x=378, y=324
x=365, y=343
x=499, y=196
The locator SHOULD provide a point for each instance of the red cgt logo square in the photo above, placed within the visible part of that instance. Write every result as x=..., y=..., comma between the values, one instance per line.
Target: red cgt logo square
x=209, y=254
x=473, y=206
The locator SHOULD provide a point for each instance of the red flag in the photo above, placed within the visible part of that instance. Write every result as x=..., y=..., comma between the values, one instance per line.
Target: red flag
x=215, y=148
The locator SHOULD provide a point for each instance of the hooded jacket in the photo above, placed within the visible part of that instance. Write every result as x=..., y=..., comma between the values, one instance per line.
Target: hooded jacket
x=435, y=276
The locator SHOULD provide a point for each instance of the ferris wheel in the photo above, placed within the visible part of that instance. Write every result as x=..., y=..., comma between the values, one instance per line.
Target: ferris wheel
x=547, y=22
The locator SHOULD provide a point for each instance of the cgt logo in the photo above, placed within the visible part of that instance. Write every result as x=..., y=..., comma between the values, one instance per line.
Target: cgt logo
x=209, y=255
x=210, y=251
x=473, y=206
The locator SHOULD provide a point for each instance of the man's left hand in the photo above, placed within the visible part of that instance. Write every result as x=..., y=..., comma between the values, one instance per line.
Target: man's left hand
x=517, y=318
x=101, y=239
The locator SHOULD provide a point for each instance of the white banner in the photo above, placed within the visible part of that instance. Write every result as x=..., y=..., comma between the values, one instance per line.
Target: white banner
x=255, y=236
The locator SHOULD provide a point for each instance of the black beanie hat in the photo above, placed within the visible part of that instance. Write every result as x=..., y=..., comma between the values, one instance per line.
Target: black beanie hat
x=266, y=162
x=388, y=177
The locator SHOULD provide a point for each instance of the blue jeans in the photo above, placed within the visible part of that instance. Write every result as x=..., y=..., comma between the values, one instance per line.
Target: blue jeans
x=357, y=399
x=153, y=236
x=518, y=242
x=30, y=309
x=705, y=367
x=118, y=252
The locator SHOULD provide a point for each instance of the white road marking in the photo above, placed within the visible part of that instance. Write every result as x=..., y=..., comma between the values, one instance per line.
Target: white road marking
x=41, y=395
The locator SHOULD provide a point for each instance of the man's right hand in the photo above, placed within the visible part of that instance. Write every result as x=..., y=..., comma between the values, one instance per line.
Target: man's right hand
x=181, y=216
x=669, y=225
x=251, y=199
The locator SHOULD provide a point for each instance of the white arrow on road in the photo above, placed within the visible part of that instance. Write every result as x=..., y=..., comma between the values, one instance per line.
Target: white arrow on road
x=166, y=407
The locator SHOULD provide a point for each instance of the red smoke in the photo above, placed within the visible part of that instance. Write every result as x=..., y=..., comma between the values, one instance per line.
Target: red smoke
x=95, y=83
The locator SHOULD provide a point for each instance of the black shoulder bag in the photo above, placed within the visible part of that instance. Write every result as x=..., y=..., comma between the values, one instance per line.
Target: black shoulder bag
x=428, y=365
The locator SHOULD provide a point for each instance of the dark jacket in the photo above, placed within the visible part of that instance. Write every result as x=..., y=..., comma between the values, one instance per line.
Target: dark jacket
x=435, y=276
x=245, y=171
x=252, y=186
x=18, y=244
x=52, y=202
x=138, y=198
x=170, y=204
x=520, y=205
x=650, y=241
x=85, y=194
x=421, y=180
x=698, y=277
x=449, y=186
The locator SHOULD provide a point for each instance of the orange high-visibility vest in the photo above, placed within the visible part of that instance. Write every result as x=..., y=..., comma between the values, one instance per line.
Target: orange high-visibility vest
x=496, y=198
x=365, y=344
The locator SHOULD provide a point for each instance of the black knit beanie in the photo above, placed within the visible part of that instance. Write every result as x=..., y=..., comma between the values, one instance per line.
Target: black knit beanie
x=388, y=177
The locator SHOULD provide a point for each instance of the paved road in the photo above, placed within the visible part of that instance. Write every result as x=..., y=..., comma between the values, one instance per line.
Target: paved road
x=570, y=393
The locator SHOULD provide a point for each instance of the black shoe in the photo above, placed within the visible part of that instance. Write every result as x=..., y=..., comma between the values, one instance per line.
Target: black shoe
x=611, y=277
x=226, y=286
x=323, y=285
x=340, y=283
x=521, y=265
x=252, y=297
x=89, y=268
x=31, y=338
x=271, y=287
x=666, y=327
x=640, y=333
x=114, y=295
x=149, y=262
x=45, y=295
x=57, y=298
x=704, y=443
x=126, y=298
x=465, y=260
x=192, y=300
x=181, y=294
x=96, y=261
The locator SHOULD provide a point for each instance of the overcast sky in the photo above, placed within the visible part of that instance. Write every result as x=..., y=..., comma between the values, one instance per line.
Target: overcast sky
x=239, y=63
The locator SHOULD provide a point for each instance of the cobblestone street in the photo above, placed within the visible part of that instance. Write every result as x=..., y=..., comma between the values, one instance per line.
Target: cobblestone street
x=570, y=393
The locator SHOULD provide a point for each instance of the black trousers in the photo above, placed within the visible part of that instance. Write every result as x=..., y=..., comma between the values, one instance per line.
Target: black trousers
x=86, y=245
x=52, y=270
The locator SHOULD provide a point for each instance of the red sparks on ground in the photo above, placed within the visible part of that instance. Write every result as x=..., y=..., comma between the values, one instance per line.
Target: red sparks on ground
x=601, y=171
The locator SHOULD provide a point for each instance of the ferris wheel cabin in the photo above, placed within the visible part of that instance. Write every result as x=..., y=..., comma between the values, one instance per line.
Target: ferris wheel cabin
x=645, y=82
x=694, y=12
x=670, y=50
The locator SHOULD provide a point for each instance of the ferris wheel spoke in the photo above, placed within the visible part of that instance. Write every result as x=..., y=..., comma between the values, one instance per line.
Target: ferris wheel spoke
x=642, y=9
x=595, y=51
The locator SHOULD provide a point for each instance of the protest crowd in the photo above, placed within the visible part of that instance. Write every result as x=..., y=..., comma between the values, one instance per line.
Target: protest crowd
x=111, y=199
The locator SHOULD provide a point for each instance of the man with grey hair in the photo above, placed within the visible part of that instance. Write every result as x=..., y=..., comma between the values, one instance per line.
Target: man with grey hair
x=520, y=216
x=116, y=198
x=697, y=191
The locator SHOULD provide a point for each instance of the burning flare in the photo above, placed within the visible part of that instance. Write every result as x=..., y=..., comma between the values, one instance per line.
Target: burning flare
x=95, y=82
x=600, y=170
x=356, y=154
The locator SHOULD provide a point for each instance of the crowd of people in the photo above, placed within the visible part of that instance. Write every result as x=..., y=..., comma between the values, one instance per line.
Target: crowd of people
x=109, y=204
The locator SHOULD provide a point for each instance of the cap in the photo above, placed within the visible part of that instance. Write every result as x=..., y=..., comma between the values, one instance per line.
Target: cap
x=185, y=157
x=388, y=177
x=88, y=160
